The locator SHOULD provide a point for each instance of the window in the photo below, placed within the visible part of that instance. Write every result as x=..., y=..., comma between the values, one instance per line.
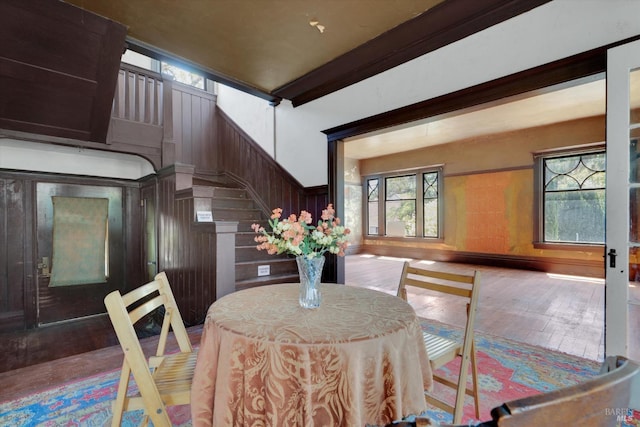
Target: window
x=80, y=241
x=372, y=205
x=430, y=200
x=400, y=205
x=182, y=75
x=572, y=198
x=177, y=73
x=411, y=205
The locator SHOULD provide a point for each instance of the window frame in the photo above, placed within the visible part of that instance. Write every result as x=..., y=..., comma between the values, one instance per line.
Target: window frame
x=539, y=193
x=414, y=199
x=160, y=65
x=419, y=201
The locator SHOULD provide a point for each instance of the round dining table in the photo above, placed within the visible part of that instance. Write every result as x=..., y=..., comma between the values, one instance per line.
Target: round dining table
x=359, y=359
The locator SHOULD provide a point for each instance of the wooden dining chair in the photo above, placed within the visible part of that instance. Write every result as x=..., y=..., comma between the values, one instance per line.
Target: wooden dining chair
x=442, y=350
x=164, y=379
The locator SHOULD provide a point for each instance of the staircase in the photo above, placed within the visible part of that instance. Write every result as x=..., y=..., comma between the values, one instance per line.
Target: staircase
x=231, y=202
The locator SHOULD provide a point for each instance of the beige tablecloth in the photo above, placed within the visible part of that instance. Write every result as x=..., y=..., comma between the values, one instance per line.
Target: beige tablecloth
x=265, y=361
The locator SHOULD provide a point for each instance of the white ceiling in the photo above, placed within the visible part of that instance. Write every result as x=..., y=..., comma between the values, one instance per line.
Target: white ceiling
x=585, y=98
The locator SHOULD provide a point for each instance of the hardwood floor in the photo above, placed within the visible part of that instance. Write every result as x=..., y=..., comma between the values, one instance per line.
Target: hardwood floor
x=27, y=348
x=29, y=379
x=551, y=311
x=563, y=313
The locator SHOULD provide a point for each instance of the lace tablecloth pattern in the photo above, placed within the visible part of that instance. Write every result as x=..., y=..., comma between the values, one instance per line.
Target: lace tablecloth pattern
x=265, y=361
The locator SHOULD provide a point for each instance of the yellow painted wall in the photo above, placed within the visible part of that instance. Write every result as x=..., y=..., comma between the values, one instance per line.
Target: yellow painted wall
x=489, y=188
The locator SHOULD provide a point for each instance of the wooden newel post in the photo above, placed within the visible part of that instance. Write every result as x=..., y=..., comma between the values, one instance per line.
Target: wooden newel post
x=225, y=234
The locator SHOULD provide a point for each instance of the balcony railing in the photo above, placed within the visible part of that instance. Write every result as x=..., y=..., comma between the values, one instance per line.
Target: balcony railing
x=138, y=96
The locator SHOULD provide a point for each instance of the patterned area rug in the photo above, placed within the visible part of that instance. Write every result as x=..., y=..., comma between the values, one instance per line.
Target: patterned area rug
x=508, y=370
x=85, y=402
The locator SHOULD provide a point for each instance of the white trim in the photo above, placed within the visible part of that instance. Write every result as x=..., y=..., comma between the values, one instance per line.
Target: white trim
x=37, y=157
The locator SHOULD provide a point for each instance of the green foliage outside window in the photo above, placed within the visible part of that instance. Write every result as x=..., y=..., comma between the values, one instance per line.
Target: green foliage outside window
x=400, y=206
x=430, y=199
x=574, y=198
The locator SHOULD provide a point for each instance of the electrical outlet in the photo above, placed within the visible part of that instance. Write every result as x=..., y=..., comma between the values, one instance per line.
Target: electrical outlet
x=264, y=270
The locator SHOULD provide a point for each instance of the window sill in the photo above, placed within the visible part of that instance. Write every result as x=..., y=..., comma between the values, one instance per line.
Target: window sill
x=568, y=246
x=404, y=239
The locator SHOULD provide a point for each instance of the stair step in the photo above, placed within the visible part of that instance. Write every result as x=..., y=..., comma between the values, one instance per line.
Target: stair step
x=233, y=203
x=249, y=253
x=234, y=193
x=215, y=181
x=278, y=266
x=246, y=238
x=266, y=280
x=233, y=214
x=244, y=225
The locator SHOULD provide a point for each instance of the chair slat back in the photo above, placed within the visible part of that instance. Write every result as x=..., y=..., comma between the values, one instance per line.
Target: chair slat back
x=457, y=284
x=147, y=308
x=150, y=297
x=448, y=283
x=437, y=287
x=138, y=294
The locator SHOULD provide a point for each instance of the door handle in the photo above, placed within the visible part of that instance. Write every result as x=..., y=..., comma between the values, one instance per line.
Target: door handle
x=44, y=265
x=612, y=258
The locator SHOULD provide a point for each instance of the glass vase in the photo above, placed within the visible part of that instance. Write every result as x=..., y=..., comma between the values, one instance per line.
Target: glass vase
x=310, y=270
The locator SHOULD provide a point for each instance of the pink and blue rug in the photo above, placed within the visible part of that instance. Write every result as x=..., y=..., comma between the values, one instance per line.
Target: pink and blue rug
x=508, y=370
x=86, y=402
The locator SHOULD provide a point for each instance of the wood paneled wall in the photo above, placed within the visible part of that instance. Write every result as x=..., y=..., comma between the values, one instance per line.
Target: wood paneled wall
x=18, y=243
x=193, y=132
x=171, y=124
x=58, y=69
x=241, y=157
x=238, y=156
x=13, y=253
x=186, y=252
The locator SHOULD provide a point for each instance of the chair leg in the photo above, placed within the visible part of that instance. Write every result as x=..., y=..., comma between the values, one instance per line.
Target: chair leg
x=461, y=391
x=474, y=375
x=117, y=408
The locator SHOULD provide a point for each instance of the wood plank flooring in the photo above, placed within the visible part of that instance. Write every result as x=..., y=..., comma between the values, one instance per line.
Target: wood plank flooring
x=23, y=381
x=560, y=313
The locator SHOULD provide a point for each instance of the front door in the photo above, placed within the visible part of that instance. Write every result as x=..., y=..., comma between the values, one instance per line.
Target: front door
x=77, y=292
x=622, y=268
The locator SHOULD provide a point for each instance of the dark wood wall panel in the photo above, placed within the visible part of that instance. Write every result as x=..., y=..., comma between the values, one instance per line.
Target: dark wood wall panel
x=134, y=271
x=270, y=184
x=193, y=130
x=58, y=69
x=186, y=252
x=12, y=254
